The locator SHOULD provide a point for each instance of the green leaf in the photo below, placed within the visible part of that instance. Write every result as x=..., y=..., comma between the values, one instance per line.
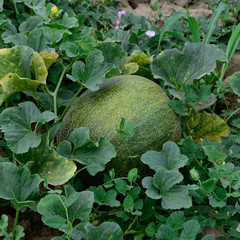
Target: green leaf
x=132, y=175
x=10, y=31
x=214, y=21
x=3, y=225
x=92, y=74
x=37, y=40
x=169, y=158
x=194, y=28
x=208, y=237
x=176, y=198
x=105, y=198
x=173, y=197
x=17, y=63
x=190, y=230
x=165, y=180
x=113, y=54
x=178, y=107
x=165, y=232
x=70, y=48
x=1, y=5
x=207, y=126
x=170, y=21
x=45, y=161
x=18, y=185
x=81, y=207
x=214, y=155
x=53, y=208
x=121, y=186
x=216, y=203
x=235, y=83
x=34, y=4
x=151, y=229
x=232, y=46
x=107, y=230
x=19, y=230
x=196, y=60
x=176, y=220
x=151, y=191
x=93, y=155
x=65, y=23
x=53, y=35
x=128, y=203
x=30, y=24
x=16, y=124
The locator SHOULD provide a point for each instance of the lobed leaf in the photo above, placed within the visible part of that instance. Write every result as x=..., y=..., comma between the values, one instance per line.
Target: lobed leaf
x=113, y=54
x=196, y=60
x=235, y=83
x=49, y=164
x=107, y=230
x=93, y=155
x=18, y=185
x=15, y=123
x=207, y=126
x=18, y=64
x=190, y=230
x=92, y=74
x=53, y=208
x=169, y=158
x=140, y=58
x=49, y=57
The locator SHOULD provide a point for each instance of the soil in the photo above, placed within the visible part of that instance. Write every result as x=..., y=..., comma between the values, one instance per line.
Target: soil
x=33, y=227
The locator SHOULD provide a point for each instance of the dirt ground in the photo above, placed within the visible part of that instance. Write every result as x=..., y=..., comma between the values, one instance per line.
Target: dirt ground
x=34, y=228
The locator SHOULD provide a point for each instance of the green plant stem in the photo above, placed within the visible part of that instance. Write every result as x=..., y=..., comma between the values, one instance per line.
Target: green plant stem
x=130, y=155
x=128, y=231
x=70, y=102
x=232, y=114
x=15, y=223
x=57, y=88
x=69, y=228
x=15, y=7
x=46, y=89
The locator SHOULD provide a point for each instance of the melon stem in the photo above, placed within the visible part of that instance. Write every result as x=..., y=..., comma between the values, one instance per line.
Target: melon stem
x=130, y=155
x=69, y=103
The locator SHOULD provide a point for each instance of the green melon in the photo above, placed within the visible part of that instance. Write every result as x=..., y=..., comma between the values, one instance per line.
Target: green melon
x=139, y=101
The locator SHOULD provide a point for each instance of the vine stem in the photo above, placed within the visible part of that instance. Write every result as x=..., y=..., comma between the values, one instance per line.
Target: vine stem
x=232, y=114
x=69, y=104
x=57, y=88
x=130, y=155
x=15, y=224
x=128, y=231
x=15, y=7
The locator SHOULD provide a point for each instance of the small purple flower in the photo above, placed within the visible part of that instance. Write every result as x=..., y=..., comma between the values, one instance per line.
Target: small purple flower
x=238, y=228
x=120, y=13
x=94, y=1
x=117, y=25
x=150, y=33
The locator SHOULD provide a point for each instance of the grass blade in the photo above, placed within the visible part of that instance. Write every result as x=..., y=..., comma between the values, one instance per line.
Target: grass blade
x=194, y=28
x=233, y=43
x=175, y=17
x=213, y=23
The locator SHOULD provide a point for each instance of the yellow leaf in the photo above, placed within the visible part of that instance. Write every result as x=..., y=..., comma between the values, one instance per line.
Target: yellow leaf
x=140, y=58
x=207, y=126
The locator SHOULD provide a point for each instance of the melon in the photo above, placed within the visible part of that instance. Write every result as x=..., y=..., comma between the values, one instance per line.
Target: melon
x=138, y=100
